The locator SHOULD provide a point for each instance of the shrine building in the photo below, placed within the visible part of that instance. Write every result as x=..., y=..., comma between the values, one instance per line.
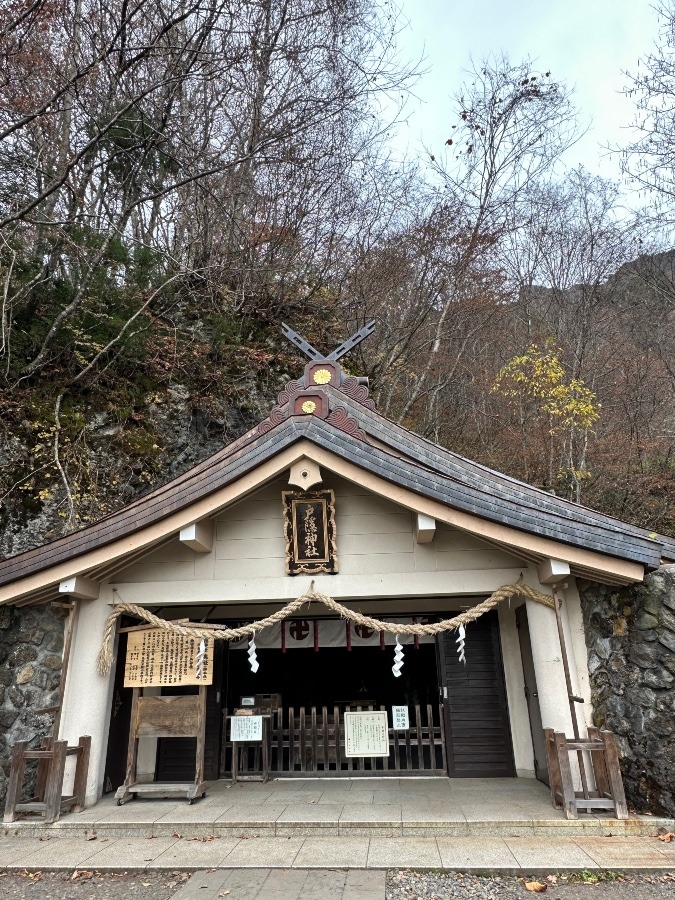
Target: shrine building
x=329, y=494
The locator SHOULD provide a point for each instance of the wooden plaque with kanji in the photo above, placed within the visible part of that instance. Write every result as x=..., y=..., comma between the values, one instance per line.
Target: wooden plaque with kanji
x=159, y=658
x=309, y=526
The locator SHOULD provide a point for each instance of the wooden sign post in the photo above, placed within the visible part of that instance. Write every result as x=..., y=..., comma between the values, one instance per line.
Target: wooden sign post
x=159, y=658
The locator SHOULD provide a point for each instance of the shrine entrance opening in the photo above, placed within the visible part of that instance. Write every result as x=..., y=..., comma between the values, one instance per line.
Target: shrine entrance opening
x=307, y=692
x=311, y=672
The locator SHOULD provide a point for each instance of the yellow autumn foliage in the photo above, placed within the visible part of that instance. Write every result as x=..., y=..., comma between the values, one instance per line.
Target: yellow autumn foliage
x=540, y=375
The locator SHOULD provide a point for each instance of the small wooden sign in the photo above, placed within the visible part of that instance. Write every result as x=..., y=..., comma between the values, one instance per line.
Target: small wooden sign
x=400, y=719
x=309, y=529
x=246, y=728
x=159, y=658
x=366, y=733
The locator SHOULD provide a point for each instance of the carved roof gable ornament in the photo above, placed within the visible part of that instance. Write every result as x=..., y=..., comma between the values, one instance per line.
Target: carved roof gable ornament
x=306, y=397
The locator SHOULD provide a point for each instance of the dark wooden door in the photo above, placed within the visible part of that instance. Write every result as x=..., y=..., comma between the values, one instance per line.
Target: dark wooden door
x=532, y=695
x=176, y=757
x=478, y=734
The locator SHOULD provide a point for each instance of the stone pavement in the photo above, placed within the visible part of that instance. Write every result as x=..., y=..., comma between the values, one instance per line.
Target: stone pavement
x=323, y=838
x=488, y=853
x=350, y=808
x=285, y=884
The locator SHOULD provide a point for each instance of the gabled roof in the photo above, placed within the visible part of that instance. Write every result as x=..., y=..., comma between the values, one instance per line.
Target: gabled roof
x=334, y=413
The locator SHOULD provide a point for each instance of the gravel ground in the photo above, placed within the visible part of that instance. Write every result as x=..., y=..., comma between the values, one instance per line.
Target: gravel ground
x=84, y=884
x=407, y=885
x=401, y=885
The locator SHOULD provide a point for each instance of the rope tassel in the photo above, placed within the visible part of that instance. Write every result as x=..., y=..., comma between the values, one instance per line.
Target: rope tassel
x=252, y=657
x=461, y=631
x=398, y=659
x=200, y=660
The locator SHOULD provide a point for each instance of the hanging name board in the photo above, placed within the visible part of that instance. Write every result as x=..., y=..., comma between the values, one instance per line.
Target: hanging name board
x=309, y=531
x=159, y=658
x=246, y=728
x=366, y=733
x=399, y=718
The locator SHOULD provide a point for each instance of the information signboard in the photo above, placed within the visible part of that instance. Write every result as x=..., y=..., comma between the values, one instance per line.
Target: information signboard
x=246, y=728
x=159, y=658
x=400, y=720
x=366, y=733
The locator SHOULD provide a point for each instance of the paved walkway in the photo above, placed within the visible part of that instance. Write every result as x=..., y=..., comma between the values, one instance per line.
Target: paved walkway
x=359, y=807
x=285, y=884
x=488, y=853
x=335, y=838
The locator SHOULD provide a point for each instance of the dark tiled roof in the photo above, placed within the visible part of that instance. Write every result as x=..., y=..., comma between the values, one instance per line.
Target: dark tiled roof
x=348, y=425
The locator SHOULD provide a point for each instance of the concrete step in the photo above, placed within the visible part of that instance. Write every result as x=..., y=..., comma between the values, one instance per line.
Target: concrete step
x=253, y=823
x=216, y=857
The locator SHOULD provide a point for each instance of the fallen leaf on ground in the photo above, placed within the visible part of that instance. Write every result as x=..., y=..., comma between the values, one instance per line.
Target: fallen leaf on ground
x=223, y=893
x=34, y=876
x=91, y=837
x=177, y=834
x=86, y=875
x=535, y=886
x=203, y=838
x=667, y=837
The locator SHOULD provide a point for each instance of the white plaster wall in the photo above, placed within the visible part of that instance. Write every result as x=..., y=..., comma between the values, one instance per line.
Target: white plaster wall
x=548, y=665
x=377, y=552
x=521, y=734
x=88, y=695
x=577, y=641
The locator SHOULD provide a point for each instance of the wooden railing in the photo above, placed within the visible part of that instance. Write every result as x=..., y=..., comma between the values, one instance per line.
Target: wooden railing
x=312, y=741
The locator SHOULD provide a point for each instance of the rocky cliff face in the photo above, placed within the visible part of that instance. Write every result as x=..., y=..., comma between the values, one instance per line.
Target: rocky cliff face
x=117, y=460
x=630, y=635
x=31, y=646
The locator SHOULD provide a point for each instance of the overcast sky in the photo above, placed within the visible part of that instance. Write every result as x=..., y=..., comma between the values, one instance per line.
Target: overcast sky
x=586, y=43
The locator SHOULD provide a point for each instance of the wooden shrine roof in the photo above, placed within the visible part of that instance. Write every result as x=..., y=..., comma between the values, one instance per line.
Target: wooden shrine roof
x=339, y=417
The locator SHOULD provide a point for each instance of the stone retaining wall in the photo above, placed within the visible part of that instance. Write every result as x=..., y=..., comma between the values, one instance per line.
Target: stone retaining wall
x=630, y=635
x=31, y=644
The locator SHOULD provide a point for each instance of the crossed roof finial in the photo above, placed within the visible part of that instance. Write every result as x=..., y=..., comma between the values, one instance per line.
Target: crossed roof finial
x=315, y=356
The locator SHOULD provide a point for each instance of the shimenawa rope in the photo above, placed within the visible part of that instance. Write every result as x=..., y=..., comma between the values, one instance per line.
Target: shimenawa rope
x=105, y=655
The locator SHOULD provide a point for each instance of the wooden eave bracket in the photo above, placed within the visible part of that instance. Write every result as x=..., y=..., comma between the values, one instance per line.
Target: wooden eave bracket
x=80, y=588
x=425, y=528
x=198, y=536
x=552, y=570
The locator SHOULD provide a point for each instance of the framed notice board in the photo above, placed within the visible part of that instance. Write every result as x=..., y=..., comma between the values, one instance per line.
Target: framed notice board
x=366, y=733
x=159, y=658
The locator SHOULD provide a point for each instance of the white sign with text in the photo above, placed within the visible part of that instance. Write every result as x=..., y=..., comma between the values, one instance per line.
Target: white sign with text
x=366, y=733
x=399, y=718
x=246, y=728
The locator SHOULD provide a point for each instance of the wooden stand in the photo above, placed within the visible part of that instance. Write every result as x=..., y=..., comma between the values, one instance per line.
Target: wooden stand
x=176, y=716
x=609, y=794
x=48, y=801
x=244, y=745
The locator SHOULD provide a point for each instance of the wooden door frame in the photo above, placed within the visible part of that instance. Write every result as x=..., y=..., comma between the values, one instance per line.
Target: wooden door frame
x=540, y=765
